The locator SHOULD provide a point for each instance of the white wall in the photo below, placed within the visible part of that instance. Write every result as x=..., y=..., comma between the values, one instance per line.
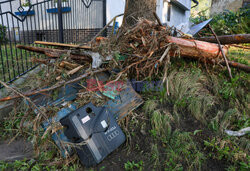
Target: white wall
x=114, y=8
x=179, y=16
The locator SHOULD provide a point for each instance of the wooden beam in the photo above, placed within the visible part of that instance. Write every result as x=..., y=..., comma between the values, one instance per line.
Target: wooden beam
x=63, y=45
x=56, y=53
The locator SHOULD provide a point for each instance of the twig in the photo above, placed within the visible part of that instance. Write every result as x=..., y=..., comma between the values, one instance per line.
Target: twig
x=90, y=91
x=168, y=88
x=166, y=52
x=26, y=98
x=73, y=71
x=157, y=18
x=59, y=84
x=104, y=28
x=223, y=54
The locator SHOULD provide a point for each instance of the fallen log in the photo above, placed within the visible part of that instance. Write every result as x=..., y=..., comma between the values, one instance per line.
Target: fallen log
x=56, y=53
x=197, y=49
x=53, y=53
x=238, y=46
x=62, y=45
x=228, y=39
x=237, y=65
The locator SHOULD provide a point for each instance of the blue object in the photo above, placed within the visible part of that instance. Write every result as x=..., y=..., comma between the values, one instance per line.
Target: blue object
x=62, y=113
x=55, y=10
x=123, y=101
x=197, y=28
x=25, y=13
x=116, y=27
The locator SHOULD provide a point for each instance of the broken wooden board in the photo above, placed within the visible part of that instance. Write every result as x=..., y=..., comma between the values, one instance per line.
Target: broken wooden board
x=63, y=45
x=125, y=102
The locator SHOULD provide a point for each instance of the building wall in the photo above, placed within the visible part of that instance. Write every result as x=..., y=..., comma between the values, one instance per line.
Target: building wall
x=219, y=6
x=43, y=25
x=114, y=8
x=179, y=15
x=174, y=13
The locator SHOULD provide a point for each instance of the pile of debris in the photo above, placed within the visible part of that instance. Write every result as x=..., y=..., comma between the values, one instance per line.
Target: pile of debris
x=94, y=93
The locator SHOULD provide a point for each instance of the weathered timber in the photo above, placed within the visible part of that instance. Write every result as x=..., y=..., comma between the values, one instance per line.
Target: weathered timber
x=228, y=39
x=53, y=53
x=56, y=53
x=63, y=45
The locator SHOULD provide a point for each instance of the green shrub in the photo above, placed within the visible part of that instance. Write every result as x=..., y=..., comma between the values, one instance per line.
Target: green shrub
x=228, y=149
x=2, y=34
x=228, y=22
x=232, y=22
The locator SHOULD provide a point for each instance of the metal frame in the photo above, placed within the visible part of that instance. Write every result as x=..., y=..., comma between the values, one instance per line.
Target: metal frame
x=16, y=62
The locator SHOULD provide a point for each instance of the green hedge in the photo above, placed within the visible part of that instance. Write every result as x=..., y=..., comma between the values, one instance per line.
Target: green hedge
x=229, y=22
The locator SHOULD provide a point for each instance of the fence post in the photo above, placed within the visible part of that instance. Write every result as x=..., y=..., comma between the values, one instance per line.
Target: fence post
x=60, y=21
x=105, y=17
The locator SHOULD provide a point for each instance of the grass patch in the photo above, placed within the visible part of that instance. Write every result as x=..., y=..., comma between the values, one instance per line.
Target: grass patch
x=188, y=92
x=239, y=55
x=182, y=130
x=14, y=61
x=182, y=153
x=197, y=104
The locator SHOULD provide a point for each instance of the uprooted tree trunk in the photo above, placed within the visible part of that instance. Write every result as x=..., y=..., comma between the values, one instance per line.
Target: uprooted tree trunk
x=136, y=9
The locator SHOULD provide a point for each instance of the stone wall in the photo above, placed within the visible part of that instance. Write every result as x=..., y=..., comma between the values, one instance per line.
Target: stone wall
x=219, y=6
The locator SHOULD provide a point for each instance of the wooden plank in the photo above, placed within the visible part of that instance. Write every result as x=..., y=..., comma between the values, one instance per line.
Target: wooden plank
x=62, y=45
x=56, y=53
